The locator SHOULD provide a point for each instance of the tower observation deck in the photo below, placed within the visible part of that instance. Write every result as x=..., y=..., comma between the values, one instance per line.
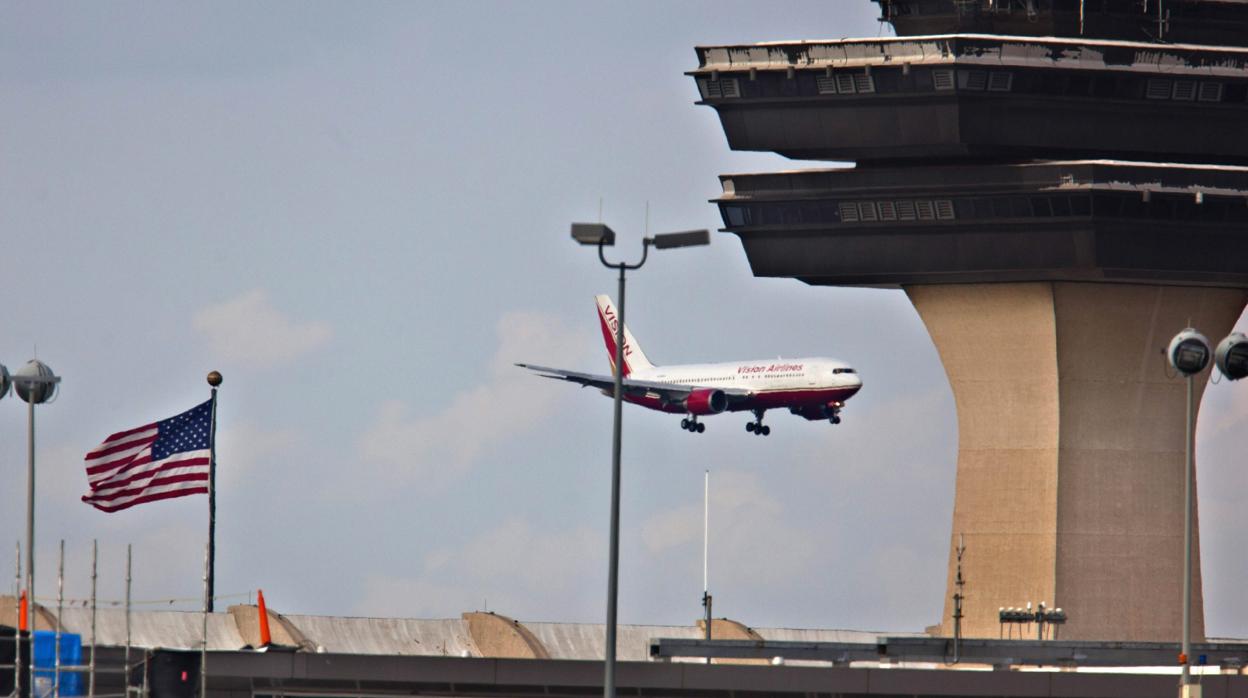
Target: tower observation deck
x=1058, y=186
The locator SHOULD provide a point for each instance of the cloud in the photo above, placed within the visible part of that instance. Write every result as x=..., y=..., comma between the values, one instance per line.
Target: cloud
x=752, y=535
x=67, y=461
x=250, y=330
x=515, y=567
x=244, y=448
x=439, y=448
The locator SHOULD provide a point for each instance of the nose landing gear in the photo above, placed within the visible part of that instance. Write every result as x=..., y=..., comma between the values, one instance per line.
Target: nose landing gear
x=757, y=426
x=692, y=425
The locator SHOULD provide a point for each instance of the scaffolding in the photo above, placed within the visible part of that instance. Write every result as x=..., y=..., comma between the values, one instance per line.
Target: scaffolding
x=127, y=669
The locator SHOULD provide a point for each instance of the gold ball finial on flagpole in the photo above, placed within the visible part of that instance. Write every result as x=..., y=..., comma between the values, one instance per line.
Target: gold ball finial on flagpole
x=214, y=378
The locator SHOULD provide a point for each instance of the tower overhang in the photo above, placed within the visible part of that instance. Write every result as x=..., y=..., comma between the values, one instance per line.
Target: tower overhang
x=979, y=96
x=1086, y=220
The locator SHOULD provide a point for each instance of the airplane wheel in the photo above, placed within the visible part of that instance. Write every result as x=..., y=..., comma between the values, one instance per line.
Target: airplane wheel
x=701, y=428
x=766, y=431
x=684, y=424
x=836, y=420
x=749, y=426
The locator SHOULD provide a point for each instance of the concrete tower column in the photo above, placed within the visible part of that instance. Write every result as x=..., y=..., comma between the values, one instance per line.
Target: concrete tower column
x=1070, y=449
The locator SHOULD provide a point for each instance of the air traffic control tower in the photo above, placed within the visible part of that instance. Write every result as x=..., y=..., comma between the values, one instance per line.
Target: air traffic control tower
x=1059, y=186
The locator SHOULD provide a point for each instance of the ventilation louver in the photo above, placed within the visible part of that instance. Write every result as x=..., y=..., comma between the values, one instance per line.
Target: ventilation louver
x=1210, y=92
x=1158, y=89
x=1185, y=90
x=1000, y=82
x=718, y=89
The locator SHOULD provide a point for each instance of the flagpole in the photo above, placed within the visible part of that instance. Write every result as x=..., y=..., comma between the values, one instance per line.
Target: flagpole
x=214, y=380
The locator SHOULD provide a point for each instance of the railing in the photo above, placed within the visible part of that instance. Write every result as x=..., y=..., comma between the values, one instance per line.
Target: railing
x=998, y=653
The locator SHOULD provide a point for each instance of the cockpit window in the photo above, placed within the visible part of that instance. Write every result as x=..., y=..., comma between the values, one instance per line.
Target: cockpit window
x=843, y=370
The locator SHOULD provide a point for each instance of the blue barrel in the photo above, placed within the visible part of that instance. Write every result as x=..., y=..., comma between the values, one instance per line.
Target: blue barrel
x=45, y=663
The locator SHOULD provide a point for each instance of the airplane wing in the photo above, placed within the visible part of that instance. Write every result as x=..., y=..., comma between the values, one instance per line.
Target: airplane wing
x=668, y=392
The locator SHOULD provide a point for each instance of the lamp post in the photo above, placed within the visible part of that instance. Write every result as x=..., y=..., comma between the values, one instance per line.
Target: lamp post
x=1189, y=354
x=602, y=236
x=35, y=383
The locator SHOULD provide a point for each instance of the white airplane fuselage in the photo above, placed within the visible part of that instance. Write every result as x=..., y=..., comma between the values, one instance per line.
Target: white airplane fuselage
x=813, y=388
x=801, y=385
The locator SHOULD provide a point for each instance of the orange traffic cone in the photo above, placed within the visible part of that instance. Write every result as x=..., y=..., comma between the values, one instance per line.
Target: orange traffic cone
x=265, y=638
x=22, y=612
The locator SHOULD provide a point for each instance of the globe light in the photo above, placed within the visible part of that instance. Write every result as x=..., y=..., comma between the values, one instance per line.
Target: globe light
x=1189, y=352
x=1231, y=356
x=35, y=382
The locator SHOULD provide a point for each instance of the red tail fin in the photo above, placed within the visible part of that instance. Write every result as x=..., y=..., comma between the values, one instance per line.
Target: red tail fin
x=634, y=358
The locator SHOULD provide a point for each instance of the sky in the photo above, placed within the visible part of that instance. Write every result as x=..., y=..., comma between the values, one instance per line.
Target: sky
x=359, y=213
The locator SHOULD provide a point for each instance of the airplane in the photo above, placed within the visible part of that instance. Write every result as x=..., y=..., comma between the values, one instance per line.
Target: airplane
x=814, y=388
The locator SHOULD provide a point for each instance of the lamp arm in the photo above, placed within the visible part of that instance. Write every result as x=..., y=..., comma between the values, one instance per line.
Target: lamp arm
x=645, y=252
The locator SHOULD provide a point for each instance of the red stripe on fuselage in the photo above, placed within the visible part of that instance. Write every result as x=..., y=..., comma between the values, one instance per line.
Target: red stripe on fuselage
x=763, y=400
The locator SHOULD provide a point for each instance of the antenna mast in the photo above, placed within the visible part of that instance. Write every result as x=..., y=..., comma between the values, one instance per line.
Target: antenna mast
x=706, y=538
x=957, y=600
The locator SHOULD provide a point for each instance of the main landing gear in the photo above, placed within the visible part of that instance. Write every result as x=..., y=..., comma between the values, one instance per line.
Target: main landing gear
x=757, y=426
x=835, y=416
x=692, y=425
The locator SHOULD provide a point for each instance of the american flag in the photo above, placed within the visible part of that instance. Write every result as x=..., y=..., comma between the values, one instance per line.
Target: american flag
x=170, y=458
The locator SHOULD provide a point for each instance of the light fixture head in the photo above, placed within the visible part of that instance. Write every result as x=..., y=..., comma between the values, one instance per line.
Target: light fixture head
x=1231, y=356
x=593, y=234
x=688, y=238
x=35, y=382
x=1189, y=352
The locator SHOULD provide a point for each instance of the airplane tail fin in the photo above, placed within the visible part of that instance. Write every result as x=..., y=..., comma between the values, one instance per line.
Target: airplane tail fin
x=634, y=358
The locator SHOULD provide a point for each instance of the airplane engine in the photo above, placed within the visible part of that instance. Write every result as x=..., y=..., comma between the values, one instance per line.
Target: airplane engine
x=817, y=412
x=812, y=413
x=705, y=401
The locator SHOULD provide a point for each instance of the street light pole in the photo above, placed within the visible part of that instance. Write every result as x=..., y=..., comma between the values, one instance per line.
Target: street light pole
x=30, y=528
x=602, y=236
x=613, y=571
x=35, y=383
x=1187, y=539
x=1189, y=353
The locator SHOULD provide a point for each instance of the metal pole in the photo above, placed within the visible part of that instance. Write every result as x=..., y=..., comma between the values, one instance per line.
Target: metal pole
x=1187, y=538
x=706, y=550
x=203, y=652
x=91, y=668
x=127, y=655
x=30, y=535
x=608, y=689
x=17, y=633
x=706, y=531
x=60, y=610
x=212, y=503
x=957, y=602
